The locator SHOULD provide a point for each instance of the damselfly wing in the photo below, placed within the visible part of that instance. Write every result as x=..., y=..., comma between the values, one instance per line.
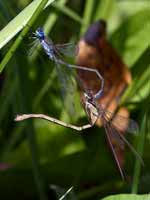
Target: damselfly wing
x=67, y=49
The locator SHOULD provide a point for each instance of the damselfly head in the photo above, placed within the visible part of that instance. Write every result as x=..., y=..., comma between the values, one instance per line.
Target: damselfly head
x=39, y=33
x=89, y=96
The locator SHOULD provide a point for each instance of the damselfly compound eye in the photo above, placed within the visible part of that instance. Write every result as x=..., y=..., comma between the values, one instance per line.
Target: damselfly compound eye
x=40, y=33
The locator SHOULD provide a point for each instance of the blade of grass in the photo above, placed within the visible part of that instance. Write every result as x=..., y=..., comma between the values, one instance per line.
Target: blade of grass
x=127, y=196
x=35, y=161
x=138, y=89
x=140, y=85
x=132, y=7
x=68, y=12
x=104, y=9
x=140, y=72
x=44, y=89
x=22, y=34
x=5, y=102
x=89, y=6
x=53, y=17
x=18, y=23
x=23, y=99
x=5, y=10
x=133, y=37
x=140, y=148
x=11, y=142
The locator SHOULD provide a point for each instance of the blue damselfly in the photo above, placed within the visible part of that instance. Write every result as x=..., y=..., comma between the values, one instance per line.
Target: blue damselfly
x=55, y=53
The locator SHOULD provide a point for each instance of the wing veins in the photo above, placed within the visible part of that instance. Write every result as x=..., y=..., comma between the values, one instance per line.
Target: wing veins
x=122, y=138
x=108, y=131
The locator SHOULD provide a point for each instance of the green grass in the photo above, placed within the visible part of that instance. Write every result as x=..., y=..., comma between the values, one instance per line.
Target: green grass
x=43, y=154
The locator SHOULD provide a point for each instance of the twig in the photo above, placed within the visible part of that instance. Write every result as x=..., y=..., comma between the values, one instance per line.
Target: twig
x=51, y=119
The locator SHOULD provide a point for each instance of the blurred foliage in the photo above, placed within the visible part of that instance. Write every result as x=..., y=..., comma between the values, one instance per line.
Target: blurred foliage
x=41, y=154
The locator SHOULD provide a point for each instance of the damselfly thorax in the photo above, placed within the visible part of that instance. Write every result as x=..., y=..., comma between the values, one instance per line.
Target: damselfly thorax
x=49, y=49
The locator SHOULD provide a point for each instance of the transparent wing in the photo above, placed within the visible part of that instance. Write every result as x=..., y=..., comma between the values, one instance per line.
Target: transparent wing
x=109, y=134
x=36, y=43
x=121, y=122
x=67, y=49
x=67, y=84
x=49, y=40
x=33, y=47
x=114, y=134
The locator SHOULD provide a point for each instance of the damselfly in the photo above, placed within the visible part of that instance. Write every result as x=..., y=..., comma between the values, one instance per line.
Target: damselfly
x=55, y=53
x=113, y=124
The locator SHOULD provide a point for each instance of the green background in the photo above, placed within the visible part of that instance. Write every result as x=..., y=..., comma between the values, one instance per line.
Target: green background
x=42, y=154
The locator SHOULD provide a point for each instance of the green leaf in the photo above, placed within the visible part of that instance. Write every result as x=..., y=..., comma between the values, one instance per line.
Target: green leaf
x=128, y=197
x=17, y=24
x=68, y=12
x=141, y=142
x=132, y=38
x=132, y=7
x=139, y=88
x=89, y=6
x=104, y=9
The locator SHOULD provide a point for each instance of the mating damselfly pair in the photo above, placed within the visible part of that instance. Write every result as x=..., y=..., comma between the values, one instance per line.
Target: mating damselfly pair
x=112, y=123
x=55, y=53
